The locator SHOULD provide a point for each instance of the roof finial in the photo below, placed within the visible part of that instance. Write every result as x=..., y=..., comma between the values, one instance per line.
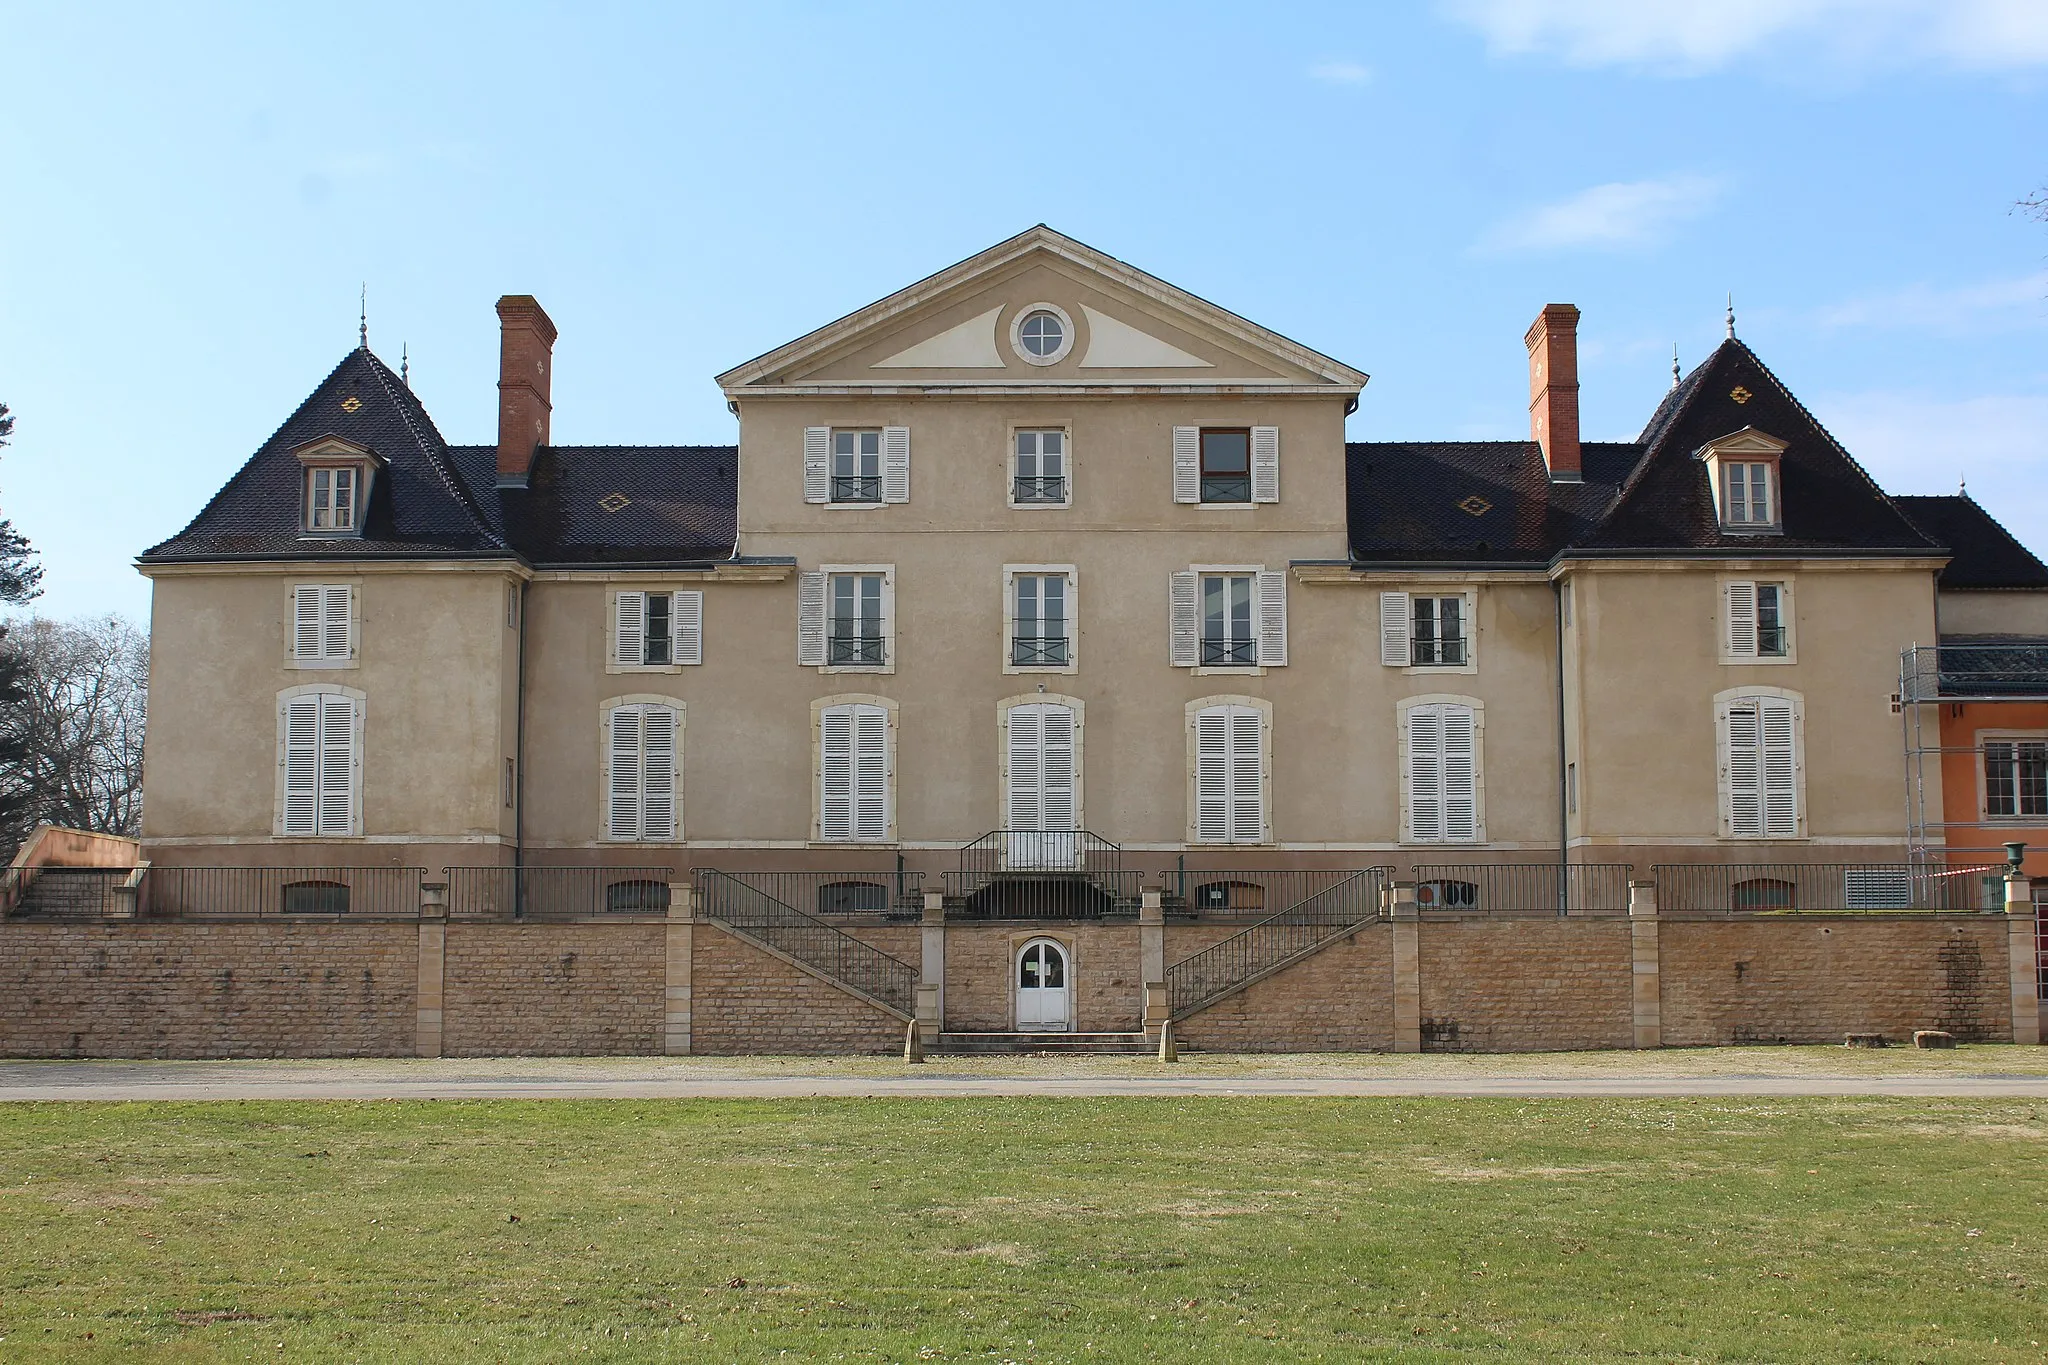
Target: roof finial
x=1731, y=315
x=1674, y=365
x=1963, y=485
x=363, y=318
x=404, y=365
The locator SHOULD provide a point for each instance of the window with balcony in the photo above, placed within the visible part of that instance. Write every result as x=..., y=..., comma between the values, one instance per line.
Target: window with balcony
x=1226, y=465
x=1039, y=475
x=1439, y=632
x=1227, y=638
x=1041, y=619
x=1757, y=621
x=843, y=617
x=1228, y=617
x=857, y=466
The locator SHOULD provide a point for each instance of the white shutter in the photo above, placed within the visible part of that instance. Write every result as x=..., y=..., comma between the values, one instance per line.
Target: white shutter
x=658, y=772
x=301, y=759
x=337, y=764
x=1184, y=637
x=1425, y=774
x=835, y=776
x=870, y=774
x=306, y=621
x=629, y=628
x=817, y=464
x=895, y=464
x=1780, y=782
x=1460, y=775
x=622, y=806
x=1058, y=771
x=810, y=618
x=1265, y=464
x=686, y=628
x=1394, y=626
x=1212, y=775
x=1187, y=464
x=1742, y=770
x=1741, y=619
x=1272, y=619
x=1247, y=788
x=1027, y=759
x=334, y=622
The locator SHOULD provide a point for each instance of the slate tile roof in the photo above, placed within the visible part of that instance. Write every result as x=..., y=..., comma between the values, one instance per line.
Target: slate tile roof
x=1473, y=502
x=1985, y=555
x=617, y=504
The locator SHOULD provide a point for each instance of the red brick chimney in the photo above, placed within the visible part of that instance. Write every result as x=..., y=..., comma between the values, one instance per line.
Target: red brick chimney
x=1553, y=342
x=525, y=355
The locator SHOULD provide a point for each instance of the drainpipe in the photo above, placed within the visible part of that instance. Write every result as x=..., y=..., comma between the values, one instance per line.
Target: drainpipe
x=1564, y=828
x=519, y=766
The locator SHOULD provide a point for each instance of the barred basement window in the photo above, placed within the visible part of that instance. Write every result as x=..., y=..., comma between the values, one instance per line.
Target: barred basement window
x=1230, y=896
x=1447, y=895
x=851, y=898
x=315, y=898
x=1764, y=893
x=636, y=898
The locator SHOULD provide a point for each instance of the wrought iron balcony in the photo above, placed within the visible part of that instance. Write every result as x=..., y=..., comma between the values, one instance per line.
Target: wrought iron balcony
x=856, y=488
x=1229, y=653
x=1040, y=489
x=856, y=649
x=1226, y=488
x=1446, y=652
x=1039, y=651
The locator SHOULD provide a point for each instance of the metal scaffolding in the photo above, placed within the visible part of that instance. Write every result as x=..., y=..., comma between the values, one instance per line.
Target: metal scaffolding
x=1957, y=672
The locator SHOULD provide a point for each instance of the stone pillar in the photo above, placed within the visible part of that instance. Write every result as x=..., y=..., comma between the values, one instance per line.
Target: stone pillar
x=1151, y=946
x=1407, y=968
x=681, y=932
x=1158, y=1007
x=931, y=990
x=2022, y=948
x=1648, y=995
x=433, y=959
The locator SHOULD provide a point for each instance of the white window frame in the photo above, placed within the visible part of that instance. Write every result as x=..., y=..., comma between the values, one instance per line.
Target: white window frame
x=1738, y=484
x=358, y=709
x=826, y=573
x=323, y=659
x=1405, y=634
x=313, y=506
x=1058, y=353
x=1269, y=619
x=1402, y=711
x=1985, y=737
x=685, y=629
x=1003, y=709
x=1746, y=448
x=1724, y=701
x=1011, y=456
x=604, y=786
x=1192, y=714
x=1011, y=573
x=1728, y=588
x=818, y=710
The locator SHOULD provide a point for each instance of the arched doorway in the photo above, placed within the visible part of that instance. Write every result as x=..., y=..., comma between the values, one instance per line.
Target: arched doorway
x=1045, y=992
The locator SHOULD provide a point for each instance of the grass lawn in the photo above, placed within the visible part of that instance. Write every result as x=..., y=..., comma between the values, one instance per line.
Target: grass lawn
x=1026, y=1230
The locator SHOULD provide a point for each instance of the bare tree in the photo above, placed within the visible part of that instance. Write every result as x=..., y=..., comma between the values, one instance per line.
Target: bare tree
x=71, y=737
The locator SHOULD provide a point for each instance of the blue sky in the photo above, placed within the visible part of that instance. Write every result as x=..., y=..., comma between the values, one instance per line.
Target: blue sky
x=194, y=196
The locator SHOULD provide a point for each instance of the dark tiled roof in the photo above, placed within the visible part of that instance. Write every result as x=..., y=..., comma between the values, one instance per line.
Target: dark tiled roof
x=1473, y=501
x=418, y=507
x=1984, y=554
x=1828, y=502
x=1993, y=665
x=680, y=503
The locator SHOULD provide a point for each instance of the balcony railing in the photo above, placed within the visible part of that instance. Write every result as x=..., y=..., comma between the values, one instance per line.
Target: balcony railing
x=557, y=893
x=1523, y=888
x=857, y=649
x=871, y=895
x=1042, y=874
x=1039, y=651
x=1223, y=968
x=1784, y=888
x=264, y=892
x=1233, y=893
x=1448, y=652
x=1229, y=653
x=838, y=956
x=1040, y=489
x=1226, y=488
x=1989, y=669
x=856, y=488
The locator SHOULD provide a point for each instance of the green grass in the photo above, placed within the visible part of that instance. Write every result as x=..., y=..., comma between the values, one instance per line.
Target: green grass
x=1026, y=1230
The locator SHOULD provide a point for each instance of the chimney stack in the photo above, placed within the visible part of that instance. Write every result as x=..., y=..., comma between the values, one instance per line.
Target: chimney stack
x=1553, y=342
x=525, y=356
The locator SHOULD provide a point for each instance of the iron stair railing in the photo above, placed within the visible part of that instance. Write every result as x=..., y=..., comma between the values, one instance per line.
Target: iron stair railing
x=838, y=957
x=1301, y=930
x=1042, y=874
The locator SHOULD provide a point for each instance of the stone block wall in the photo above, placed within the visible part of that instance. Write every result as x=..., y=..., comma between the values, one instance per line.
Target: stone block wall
x=1522, y=985
x=1340, y=1000
x=746, y=1001
x=578, y=989
x=1107, y=980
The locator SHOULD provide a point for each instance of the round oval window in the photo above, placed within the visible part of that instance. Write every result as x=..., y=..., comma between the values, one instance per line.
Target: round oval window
x=1041, y=334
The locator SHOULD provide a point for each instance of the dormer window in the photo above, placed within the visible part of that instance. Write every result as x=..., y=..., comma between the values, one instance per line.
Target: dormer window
x=338, y=474
x=1743, y=470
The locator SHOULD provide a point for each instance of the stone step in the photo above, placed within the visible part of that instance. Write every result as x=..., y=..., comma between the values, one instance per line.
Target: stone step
x=71, y=891
x=1012, y=1044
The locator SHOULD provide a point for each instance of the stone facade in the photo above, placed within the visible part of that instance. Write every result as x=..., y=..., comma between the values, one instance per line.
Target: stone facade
x=514, y=990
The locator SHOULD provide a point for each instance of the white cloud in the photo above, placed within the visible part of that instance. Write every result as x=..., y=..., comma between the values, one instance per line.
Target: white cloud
x=1689, y=37
x=1341, y=72
x=1623, y=214
x=1917, y=443
x=2019, y=301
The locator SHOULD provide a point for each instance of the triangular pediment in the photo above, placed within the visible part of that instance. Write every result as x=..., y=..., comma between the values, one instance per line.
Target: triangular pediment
x=1748, y=441
x=1092, y=321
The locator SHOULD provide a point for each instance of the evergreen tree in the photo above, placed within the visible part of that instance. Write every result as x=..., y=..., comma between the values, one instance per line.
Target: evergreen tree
x=19, y=582
x=20, y=576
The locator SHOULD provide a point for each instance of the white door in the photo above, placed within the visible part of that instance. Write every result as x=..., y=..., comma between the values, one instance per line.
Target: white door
x=1042, y=814
x=1042, y=988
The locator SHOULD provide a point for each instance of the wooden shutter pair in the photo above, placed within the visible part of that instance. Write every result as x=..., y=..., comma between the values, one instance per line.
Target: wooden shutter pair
x=1041, y=747
x=321, y=622
x=320, y=765
x=1187, y=464
x=1269, y=622
x=685, y=627
x=895, y=464
x=1230, y=797
x=1760, y=768
x=645, y=774
x=853, y=777
x=1443, y=774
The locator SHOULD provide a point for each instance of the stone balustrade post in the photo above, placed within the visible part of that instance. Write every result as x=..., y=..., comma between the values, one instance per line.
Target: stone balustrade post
x=931, y=1008
x=433, y=968
x=1402, y=909
x=2023, y=957
x=681, y=951
x=1647, y=990
x=1151, y=944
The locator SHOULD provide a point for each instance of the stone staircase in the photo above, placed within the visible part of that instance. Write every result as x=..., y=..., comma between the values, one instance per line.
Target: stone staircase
x=1042, y=1044
x=1275, y=943
x=808, y=942
x=73, y=893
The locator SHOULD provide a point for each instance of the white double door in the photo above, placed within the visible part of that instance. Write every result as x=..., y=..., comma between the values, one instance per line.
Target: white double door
x=1044, y=990
x=1043, y=812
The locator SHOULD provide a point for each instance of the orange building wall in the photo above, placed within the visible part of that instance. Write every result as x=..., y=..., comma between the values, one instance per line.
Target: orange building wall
x=1962, y=782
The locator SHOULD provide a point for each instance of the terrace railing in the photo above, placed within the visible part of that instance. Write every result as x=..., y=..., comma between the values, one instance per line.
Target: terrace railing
x=1523, y=888
x=1235, y=894
x=556, y=893
x=280, y=892
x=835, y=955
x=1783, y=888
x=869, y=895
x=1042, y=874
x=1275, y=942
